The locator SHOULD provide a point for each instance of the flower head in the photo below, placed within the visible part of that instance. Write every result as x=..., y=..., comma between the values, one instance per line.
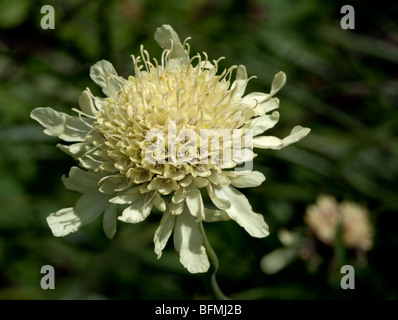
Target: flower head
x=324, y=216
x=158, y=139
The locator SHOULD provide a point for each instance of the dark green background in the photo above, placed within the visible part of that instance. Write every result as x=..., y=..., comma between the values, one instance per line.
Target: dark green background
x=341, y=83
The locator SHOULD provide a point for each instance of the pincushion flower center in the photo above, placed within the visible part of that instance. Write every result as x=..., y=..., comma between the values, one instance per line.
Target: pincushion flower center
x=162, y=119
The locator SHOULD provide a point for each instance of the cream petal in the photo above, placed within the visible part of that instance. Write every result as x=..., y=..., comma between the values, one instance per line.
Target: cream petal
x=243, y=155
x=186, y=181
x=168, y=39
x=52, y=120
x=111, y=184
x=90, y=205
x=104, y=74
x=278, y=82
x=269, y=105
x=75, y=150
x=75, y=129
x=137, y=212
x=220, y=203
x=188, y=242
x=262, y=106
x=219, y=178
x=159, y=203
x=80, y=180
x=127, y=197
x=263, y=123
x=270, y=142
x=241, y=80
x=64, y=222
x=195, y=203
x=109, y=221
x=245, y=179
x=179, y=195
x=253, y=99
x=241, y=211
x=200, y=182
x=163, y=232
x=213, y=215
x=86, y=103
x=61, y=125
x=176, y=208
x=297, y=133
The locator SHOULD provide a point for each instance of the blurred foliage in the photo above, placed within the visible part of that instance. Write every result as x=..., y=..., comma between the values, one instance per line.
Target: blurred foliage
x=342, y=84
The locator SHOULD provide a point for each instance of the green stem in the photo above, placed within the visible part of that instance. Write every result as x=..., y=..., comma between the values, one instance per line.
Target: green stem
x=210, y=276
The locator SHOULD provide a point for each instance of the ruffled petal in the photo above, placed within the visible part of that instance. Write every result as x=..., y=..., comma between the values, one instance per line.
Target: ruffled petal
x=64, y=222
x=168, y=39
x=241, y=211
x=270, y=142
x=163, y=232
x=104, y=74
x=52, y=120
x=195, y=203
x=263, y=123
x=188, y=242
x=60, y=124
x=86, y=103
x=245, y=179
x=220, y=203
x=261, y=103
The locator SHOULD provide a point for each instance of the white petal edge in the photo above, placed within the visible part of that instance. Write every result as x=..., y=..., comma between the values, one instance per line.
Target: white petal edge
x=263, y=123
x=245, y=179
x=270, y=142
x=188, y=242
x=195, y=203
x=163, y=232
x=241, y=211
x=59, y=124
x=222, y=204
x=104, y=74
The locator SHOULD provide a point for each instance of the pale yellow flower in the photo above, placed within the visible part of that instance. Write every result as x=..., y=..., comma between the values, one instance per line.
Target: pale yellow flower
x=324, y=216
x=159, y=138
